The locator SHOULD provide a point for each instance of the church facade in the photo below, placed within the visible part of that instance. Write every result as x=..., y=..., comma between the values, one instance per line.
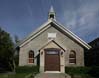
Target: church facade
x=52, y=47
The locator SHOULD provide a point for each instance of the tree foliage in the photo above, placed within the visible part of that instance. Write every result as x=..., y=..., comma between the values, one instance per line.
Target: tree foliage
x=6, y=50
x=16, y=39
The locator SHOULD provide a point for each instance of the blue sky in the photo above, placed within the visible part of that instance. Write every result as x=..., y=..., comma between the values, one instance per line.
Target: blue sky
x=21, y=17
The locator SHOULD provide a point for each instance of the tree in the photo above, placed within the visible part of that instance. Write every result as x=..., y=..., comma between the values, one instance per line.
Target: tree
x=16, y=56
x=16, y=39
x=6, y=50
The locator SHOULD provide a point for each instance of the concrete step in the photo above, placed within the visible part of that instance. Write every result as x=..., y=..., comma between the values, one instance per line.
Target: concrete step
x=52, y=75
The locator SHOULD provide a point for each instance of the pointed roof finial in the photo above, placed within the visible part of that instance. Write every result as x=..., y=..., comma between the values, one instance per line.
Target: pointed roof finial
x=51, y=9
x=51, y=13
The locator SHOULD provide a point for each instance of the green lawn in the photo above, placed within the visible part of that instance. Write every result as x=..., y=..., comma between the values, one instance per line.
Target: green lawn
x=18, y=75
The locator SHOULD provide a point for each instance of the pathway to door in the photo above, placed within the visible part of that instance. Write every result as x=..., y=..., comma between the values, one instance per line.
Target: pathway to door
x=52, y=75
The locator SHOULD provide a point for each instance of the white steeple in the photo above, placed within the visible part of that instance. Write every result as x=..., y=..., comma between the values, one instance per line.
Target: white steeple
x=51, y=13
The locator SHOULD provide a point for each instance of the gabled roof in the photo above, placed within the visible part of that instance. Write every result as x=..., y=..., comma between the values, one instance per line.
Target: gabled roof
x=45, y=26
x=59, y=45
x=47, y=43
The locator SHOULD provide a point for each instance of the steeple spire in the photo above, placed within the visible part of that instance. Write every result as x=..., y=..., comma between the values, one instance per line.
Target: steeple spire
x=51, y=9
x=51, y=13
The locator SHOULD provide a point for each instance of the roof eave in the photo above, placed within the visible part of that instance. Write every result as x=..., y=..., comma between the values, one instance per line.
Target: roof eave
x=73, y=35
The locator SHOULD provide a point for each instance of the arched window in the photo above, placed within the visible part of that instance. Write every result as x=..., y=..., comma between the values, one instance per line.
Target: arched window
x=72, y=57
x=31, y=56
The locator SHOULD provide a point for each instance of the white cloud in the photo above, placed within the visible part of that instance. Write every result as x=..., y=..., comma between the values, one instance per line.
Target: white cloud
x=84, y=20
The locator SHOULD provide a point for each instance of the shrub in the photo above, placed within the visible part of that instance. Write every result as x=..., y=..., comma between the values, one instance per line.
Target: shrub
x=77, y=70
x=94, y=71
x=27, y=69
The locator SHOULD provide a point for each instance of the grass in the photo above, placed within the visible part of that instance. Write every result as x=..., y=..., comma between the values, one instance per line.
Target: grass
x=17, y=75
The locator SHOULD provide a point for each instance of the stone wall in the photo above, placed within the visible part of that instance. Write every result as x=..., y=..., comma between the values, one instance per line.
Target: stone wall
x=61, y=37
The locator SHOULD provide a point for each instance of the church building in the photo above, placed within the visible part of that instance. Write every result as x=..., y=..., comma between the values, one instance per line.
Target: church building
x=52, y=47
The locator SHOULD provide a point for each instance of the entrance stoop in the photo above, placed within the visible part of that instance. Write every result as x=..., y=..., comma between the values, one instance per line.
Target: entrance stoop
x=52, y=75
